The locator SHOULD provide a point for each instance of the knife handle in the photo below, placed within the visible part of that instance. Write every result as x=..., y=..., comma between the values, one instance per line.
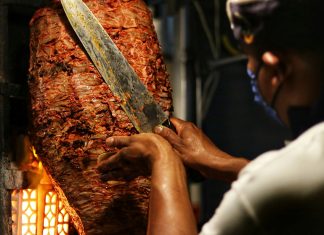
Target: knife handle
x=169, y=125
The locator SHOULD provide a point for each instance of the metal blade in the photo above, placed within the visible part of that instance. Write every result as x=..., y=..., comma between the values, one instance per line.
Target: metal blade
x=137, y=102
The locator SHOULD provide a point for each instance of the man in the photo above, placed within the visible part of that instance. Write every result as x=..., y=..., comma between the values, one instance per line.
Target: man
x=281, y=192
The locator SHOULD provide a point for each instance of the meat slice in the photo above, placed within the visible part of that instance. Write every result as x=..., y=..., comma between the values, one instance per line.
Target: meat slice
x=73, y=112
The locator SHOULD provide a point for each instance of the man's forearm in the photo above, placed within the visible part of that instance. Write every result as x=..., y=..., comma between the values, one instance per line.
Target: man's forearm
x=225, y=168
x=170, y=208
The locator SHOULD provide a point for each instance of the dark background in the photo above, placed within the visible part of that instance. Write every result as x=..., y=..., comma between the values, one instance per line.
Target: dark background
x=233, y=121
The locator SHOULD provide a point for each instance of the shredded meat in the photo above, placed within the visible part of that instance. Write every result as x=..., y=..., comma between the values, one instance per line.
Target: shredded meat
x=73, y=112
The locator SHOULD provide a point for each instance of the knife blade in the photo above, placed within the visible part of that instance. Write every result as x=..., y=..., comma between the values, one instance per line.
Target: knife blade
x=121, y=78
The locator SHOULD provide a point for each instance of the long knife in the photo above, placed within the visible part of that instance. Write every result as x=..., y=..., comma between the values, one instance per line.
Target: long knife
x=136, y=100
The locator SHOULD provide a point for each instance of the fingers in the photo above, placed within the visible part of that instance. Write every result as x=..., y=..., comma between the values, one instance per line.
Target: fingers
x=112, y=160
x=105, y=156
x=125, y=156
x=118, y=141
x=112, y=175
x=178, y=123
x=168, y=134
x=110, y=163
x=124, y=165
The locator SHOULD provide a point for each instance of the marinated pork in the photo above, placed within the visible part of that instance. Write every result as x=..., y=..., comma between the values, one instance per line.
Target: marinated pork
x=73, y=112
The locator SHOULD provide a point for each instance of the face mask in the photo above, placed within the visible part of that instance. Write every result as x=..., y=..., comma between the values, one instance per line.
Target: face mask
x=270, y=111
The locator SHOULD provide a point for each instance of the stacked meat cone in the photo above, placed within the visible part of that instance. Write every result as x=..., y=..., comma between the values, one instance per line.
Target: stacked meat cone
x=73, y=112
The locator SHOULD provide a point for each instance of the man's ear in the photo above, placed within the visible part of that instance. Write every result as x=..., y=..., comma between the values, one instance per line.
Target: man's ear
x=274, y=63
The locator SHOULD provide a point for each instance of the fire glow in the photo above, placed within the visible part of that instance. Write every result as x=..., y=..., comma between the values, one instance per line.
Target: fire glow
x=38, y=211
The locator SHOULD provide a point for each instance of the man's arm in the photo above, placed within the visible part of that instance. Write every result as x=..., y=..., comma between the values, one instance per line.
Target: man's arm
x=170, y=210
x=198, y=152
x=170, y=207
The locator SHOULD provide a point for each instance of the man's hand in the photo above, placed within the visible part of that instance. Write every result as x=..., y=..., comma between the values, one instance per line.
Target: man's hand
x=170, y=210
x=137, y=155
x=198, y=152
x=190, y=142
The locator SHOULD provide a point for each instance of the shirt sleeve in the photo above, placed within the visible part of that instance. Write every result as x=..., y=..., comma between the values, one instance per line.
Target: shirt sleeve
x=281, y=192
x=231, y=218
x=235, y=214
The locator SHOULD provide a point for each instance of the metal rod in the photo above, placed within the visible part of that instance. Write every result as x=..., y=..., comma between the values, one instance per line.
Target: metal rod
x=5, y=198
x=227, y=61
x=180, y=84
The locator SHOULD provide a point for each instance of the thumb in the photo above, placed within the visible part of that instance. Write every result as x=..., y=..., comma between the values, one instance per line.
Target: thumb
x=167, y=134
x=177, y=123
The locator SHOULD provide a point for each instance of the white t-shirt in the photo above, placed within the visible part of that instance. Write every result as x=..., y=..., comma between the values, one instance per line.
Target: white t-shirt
x=280, y=192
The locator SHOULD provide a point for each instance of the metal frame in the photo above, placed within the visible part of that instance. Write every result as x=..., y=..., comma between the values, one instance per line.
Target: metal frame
x=5, y=198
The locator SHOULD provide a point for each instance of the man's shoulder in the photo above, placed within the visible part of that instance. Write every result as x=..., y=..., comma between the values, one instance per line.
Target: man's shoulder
x=298, y=165
x=279, y=184
x=310, y=145
x=315, y=133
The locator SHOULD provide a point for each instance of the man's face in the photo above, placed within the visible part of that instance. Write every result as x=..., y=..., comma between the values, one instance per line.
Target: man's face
x=265, y=84
x=252, y=63
x=286, y=79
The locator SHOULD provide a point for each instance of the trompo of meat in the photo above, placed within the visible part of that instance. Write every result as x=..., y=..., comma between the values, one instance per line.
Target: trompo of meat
x=73, y=112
